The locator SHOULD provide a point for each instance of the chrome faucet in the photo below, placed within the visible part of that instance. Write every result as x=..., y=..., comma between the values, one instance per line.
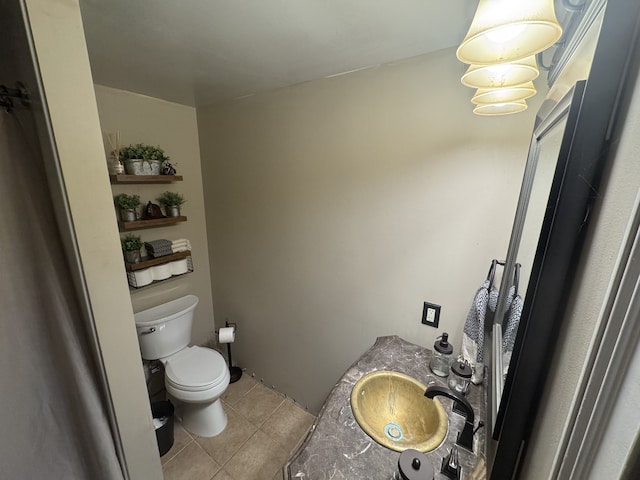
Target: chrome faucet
x=465, y=438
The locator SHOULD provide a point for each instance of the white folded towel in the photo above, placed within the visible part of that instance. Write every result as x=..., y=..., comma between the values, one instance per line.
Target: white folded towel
x=180, y=245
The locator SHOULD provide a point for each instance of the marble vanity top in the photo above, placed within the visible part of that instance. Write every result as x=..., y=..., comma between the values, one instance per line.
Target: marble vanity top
x=337, y=448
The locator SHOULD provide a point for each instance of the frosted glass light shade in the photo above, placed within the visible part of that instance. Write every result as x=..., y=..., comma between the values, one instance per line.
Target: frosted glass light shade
x=506, y=108
x=501, y=75
x=508, y=30
x=485, y=96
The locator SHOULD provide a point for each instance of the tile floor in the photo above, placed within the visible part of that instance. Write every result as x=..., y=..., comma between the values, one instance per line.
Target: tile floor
x=264, y=429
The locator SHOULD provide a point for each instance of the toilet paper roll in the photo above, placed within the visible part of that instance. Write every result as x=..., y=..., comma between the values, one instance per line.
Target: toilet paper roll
x=179, y=267
x=160, y=272
x=227, y=335
x=143, y=277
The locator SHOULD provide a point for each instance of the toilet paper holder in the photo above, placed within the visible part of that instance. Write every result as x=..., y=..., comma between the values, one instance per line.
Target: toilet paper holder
x=234, y=372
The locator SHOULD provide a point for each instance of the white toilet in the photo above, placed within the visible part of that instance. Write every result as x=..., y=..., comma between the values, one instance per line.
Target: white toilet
x=195, y=377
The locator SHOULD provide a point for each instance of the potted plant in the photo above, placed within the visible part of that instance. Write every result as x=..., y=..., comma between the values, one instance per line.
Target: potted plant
x=127, y=205
x=172, y=202
x=142, y=159
x=131, y=245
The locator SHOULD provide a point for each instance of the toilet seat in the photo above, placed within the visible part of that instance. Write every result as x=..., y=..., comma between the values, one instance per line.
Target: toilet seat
x=195, y=369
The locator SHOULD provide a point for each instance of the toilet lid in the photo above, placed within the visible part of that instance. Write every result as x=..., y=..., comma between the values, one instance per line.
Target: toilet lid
x=195, y=369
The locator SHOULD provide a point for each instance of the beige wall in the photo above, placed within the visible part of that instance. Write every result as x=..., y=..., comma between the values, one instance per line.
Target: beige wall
x=141, y=119
x=57, y=27
x=335, y=208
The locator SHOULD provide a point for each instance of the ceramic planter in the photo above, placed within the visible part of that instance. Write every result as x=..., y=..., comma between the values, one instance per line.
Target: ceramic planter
x=172, y=211
x=128, y=215
x=138, y=166
x=132, y=256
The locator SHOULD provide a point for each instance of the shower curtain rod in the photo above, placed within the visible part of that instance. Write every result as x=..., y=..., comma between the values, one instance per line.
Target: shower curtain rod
x=8, y=94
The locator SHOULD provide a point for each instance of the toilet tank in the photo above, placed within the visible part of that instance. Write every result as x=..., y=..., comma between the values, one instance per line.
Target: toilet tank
x=165, y=329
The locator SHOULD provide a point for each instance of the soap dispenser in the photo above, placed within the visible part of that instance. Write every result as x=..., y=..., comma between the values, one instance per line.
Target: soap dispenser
x=414, y=465
x=441, y=358
x=459, y=381
x=460, y=376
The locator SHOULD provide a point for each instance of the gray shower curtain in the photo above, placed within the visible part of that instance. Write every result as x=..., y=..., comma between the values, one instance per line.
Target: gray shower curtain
x=55, y=410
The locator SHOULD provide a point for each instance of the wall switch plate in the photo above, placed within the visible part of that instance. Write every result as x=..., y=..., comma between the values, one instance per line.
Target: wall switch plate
x=431, y=314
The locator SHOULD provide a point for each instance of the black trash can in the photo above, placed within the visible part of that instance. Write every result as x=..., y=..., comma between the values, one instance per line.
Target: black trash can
x=163, y=421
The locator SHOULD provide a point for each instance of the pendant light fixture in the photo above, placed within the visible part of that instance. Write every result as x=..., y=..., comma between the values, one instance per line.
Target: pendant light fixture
x=501, y=108
x=509, y=30
x=485, y=96
x=501, y=75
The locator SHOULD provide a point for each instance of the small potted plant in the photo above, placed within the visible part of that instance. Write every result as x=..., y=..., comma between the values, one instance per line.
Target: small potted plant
x=142, y=159
x=127, y=205
x=171, y=202
x=131, y=245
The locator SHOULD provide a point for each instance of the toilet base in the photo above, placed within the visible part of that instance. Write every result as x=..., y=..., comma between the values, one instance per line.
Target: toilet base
x=203, y=419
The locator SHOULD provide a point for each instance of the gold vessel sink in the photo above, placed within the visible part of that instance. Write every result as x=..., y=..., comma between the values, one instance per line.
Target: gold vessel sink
x=392, y=409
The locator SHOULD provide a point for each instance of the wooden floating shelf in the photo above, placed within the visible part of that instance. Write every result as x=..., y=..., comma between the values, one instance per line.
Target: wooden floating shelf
x=155, y=222
x=114, y=178
x=147, y=262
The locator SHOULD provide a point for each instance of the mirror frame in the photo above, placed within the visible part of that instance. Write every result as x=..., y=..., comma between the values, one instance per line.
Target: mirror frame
x=573, y=193
x=567, y=108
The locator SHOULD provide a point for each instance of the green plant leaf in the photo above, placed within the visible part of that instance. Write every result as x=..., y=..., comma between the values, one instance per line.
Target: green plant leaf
x=131, y=243
x=143, y=151
x=171, y=199
x=127, y=202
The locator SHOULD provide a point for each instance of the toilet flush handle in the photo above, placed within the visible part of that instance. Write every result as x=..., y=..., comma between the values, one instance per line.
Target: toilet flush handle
x=147, y=332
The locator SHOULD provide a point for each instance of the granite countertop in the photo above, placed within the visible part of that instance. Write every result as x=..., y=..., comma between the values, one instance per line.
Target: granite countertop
x=337, y=448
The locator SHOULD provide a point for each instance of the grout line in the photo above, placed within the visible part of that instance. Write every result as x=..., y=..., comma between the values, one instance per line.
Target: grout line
x=237, y=449
x=258, y=429
x=172, y=457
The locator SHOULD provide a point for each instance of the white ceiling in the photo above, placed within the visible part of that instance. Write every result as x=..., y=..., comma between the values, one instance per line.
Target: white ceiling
x=198, y=52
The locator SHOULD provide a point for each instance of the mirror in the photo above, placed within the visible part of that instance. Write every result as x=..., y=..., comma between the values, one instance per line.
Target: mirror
x=542, y=162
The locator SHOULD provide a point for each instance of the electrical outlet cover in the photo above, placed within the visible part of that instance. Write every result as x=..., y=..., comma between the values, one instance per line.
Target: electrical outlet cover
x=431, y=314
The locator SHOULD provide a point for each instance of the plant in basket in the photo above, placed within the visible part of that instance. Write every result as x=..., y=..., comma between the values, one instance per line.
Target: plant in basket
x=143, y=159
x=127, y=205
x=131, y=245
x=172, y=201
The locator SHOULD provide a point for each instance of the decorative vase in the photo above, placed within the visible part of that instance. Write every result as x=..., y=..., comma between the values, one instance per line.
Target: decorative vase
x=138, y=166
x=116, y=166
x=128, y=215
x=172, y=211
x=132, y=256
